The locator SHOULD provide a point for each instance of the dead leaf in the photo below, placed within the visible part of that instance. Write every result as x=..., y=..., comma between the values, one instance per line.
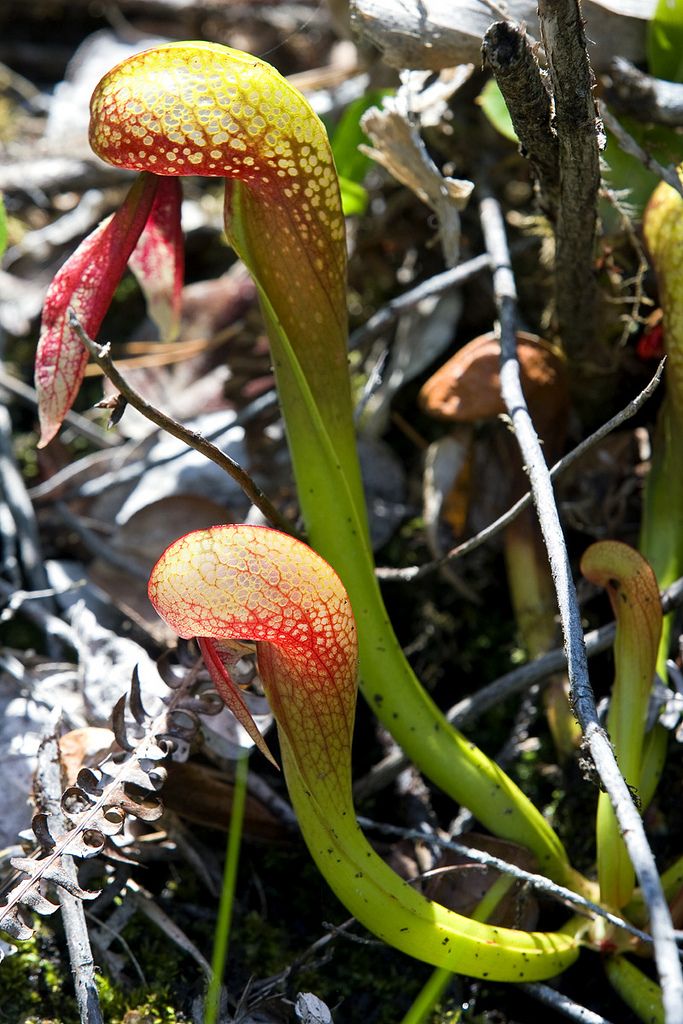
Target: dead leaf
x=465, y=883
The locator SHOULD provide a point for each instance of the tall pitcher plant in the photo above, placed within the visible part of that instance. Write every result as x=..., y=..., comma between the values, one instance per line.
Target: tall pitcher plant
x=201, y=108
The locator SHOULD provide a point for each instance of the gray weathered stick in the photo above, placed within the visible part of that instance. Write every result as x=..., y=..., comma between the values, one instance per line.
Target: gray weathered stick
x=439, y=34
x=562, y=1004
x=629, y=145
x=578, y=132
x=630, y=822
x=506, y=50
x=387, y=316
x=49, y=786
x=102, y=355
x=649, y=99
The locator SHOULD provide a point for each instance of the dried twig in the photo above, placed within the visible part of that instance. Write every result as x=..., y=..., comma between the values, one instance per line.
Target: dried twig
x=578, y=134
x=536, y=881
x=508, y=53
x=49, y=791
x=413, y=572
x=561, y=1003
x=642, y=96
x=193, y=439
x=630, y=822
x=386, y=317
x=629, y=145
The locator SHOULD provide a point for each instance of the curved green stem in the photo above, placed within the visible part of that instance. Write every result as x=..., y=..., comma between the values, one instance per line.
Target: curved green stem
x=661, y=538
x=387, y=681
x=633, y=593
x=440, y=978
x=638, y=991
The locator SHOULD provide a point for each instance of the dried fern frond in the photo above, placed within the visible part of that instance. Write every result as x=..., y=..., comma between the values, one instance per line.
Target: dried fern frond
x=125, y=783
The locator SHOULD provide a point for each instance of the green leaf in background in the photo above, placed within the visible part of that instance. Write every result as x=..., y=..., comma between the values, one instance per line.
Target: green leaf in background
x=348, y=136
x=353, y=196
x=491, y=101
x=3, y=228
x=665, y=41
x=351, y=164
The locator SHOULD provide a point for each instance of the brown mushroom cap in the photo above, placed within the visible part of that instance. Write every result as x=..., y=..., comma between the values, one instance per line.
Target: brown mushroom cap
x=467, y=387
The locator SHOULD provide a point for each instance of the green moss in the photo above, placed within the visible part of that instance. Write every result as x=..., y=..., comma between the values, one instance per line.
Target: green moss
x=141, y=1006
x=35, y=984
x=37, y=988
x=264, y=947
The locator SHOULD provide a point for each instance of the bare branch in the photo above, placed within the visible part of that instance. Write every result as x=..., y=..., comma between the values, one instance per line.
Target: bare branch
x=389, y=314
x=413, y=572
x=507, y=52
x=648, y=99
x=193, y=439
x=578, y=133
x=630, y=822
x=629, y=145
x=561, y=1003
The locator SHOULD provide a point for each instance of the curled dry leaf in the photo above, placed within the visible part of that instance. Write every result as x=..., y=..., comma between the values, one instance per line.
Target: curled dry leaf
x=397, y=145
x=467, y=387
x=465, y=883
x=203, y=795
x=96, y=805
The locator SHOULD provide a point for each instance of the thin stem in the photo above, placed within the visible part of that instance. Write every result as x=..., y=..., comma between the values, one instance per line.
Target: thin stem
x=531, y=878
x=630, y=822
x=431, y=992
x=102, y=354
x=225, y=907
x=412, y=572
x=385, y=317
x=562, y=1004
